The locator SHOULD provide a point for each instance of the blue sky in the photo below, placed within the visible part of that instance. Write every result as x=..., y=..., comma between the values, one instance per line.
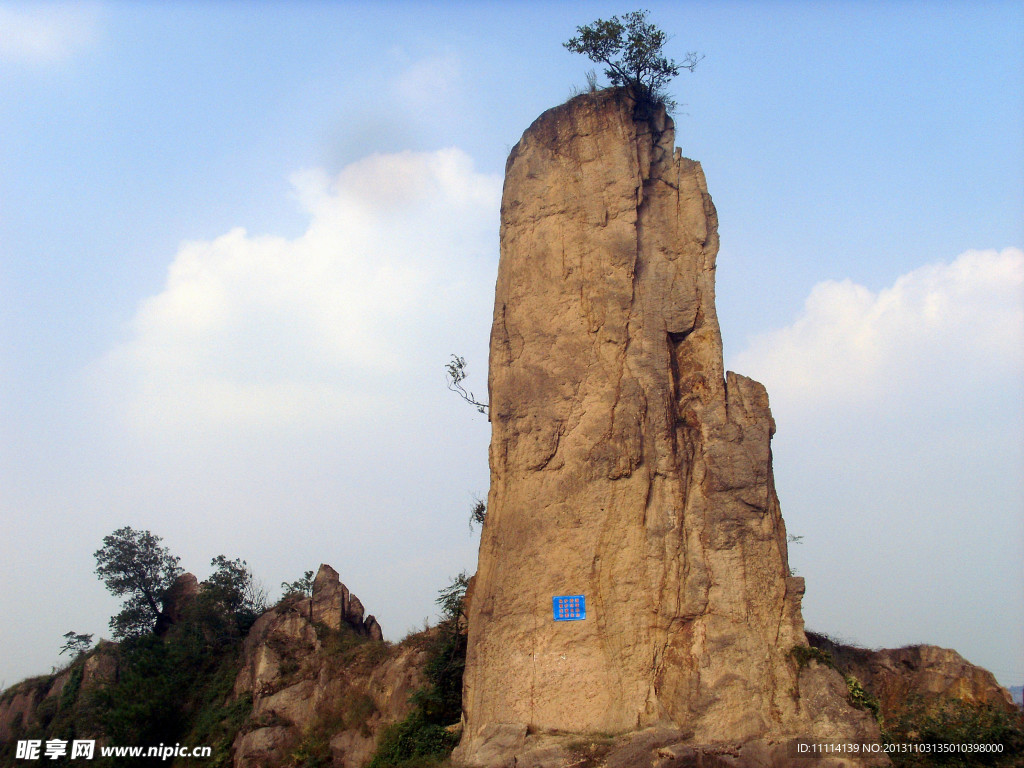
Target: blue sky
x=238, y=241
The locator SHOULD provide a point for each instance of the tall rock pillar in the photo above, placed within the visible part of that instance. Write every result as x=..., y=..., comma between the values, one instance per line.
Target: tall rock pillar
x=626, y=465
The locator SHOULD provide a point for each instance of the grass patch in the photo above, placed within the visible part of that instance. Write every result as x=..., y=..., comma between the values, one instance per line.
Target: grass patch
x=803, y=655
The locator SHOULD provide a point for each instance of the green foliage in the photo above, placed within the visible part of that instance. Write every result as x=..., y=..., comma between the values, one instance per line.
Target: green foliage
x=632, y=51
x=803, y=655
x=232, y=589
x=174, y=689
x=75, y=644
x=303, y=586
x=218, y=718
x=136, y=567
x=451, y=600
x=862, y=699
x=426, y=736
x=144, y=705
x=956, y=722
x=170, y=689
x=412, y=743
x=69, y=694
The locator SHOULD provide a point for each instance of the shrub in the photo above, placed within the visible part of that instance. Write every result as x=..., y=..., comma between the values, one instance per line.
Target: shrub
x=955, y=722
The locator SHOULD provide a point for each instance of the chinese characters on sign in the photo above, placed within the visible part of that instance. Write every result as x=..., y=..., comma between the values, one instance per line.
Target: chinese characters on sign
x=569, y=607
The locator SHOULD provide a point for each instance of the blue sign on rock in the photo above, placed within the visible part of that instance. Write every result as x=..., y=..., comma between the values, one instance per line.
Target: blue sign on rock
x=569, y=607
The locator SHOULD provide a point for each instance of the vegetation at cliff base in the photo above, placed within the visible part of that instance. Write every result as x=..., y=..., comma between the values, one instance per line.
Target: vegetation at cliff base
x=429, y=733
x=937, y=731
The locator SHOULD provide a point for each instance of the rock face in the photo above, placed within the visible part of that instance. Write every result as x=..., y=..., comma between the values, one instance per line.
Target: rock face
x=897, y=676
x=627, y=466
x=333, y=605
x=311, y=680
x=20, y=705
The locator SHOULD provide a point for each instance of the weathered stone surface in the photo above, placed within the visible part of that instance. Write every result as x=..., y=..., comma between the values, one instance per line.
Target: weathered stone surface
x=896, y=676
x=373, y=630
x=626, y=464
x=303, y=668
x=19, y=704
x=102, y=666
x=329, y=597
x=333, y=605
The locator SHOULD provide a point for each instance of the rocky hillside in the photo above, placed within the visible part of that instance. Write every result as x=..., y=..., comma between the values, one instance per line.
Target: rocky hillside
x=898, y=676
x=311, y=683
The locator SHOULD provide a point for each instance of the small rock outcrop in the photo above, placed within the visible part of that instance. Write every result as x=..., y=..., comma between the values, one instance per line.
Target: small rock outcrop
x=307, y=678
x=898, y=676
x=20, y=705
x=628, y=467
x=334, y=606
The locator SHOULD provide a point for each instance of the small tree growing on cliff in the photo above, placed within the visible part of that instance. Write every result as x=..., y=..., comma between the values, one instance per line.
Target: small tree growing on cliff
x=631, y=50
x=136, y=567
x=456, y=370
x=303, y=586
x=76, y=644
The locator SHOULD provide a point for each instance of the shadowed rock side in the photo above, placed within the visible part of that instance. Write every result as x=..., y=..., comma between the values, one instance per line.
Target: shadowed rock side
x=627, y=465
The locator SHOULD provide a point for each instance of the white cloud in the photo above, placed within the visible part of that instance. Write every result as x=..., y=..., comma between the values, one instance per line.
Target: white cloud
x=265, y=330
x=899, y=455
x=942, y=322
x=44, y=32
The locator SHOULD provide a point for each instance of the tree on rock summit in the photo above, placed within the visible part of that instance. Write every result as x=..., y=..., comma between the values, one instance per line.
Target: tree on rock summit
x=632, y=51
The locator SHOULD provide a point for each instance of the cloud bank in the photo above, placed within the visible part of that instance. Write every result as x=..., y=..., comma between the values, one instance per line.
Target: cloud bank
x=283, y=399
x=899, y=456
x=264, y=330
x=931, y=327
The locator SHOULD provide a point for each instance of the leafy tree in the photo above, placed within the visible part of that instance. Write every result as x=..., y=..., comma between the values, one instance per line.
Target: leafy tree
x=451, y=599
x=136, y=567
x=233, y=589
x=75, y=644
x=303, y=586
x=631, y=50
